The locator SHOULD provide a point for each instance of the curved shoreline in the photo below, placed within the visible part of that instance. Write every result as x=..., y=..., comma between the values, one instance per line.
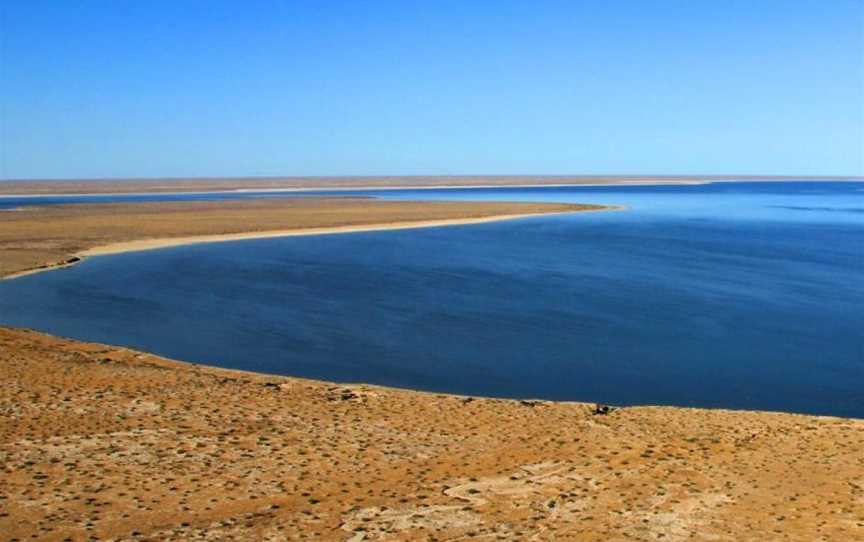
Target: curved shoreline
x=230, y=454
x=169, y=242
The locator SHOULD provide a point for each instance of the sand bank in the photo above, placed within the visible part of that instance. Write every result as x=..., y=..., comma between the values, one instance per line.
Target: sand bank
x=168, y=242
x=41, y=239
x=150, y=244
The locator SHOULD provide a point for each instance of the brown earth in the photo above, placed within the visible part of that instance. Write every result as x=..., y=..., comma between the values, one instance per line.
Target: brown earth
x=96, y=186
x=43, y=237
x=99, y=442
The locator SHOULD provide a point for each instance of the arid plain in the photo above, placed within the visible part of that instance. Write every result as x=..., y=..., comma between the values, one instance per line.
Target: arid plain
x=101, y=442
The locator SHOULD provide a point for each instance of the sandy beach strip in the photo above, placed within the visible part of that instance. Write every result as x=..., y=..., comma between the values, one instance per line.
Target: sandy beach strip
x=150, y=244
x=168, y=242
x=54, y=237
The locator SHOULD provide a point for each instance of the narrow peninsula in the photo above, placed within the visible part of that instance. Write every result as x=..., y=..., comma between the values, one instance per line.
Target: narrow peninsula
x=39, y=238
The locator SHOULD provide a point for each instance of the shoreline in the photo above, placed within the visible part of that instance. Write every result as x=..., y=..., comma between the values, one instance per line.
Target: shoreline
x=528, y=401
x=337, y=189
x=170, y=242
x=229, y=185
x=360, y=188
x=116, y=443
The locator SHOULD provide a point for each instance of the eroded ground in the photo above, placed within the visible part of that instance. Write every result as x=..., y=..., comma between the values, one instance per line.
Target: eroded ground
x=98, y=442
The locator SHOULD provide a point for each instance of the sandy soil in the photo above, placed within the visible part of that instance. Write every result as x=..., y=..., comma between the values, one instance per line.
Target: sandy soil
x=120, y=186
x=98, y=442
x=38, y=238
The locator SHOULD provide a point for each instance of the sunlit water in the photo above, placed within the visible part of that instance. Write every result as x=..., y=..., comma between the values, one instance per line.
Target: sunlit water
x=740, y=295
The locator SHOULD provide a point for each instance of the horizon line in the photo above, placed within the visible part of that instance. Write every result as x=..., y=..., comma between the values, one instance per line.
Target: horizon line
x=710, y=176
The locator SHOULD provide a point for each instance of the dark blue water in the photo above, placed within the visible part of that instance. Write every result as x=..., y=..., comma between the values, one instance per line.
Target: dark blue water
x=742, y=295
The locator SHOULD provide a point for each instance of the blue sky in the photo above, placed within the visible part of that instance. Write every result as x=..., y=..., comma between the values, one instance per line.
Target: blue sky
x=186, y=88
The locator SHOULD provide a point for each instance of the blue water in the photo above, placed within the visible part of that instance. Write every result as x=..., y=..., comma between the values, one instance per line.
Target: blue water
x=735, y=295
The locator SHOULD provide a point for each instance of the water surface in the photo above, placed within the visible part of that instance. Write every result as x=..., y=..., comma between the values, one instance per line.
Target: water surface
x=739, y=295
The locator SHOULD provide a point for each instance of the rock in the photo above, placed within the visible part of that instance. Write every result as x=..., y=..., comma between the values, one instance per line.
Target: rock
x=601, y=409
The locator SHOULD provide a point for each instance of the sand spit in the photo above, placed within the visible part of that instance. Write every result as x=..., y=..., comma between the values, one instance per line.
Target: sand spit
x=100, y=442
x=151, y=244
x=45, y=238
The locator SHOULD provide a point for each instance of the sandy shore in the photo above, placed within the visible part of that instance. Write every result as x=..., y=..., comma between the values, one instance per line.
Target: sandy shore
x=148, y=244
x=37, y=239
x=100, y=442
x=151, y=244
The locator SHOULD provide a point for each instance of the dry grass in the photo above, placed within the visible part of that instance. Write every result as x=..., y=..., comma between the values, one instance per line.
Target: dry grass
x=98, y=442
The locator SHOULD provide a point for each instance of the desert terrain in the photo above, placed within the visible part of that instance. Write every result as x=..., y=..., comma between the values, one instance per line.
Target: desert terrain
x=42, y=237
x=104, y=443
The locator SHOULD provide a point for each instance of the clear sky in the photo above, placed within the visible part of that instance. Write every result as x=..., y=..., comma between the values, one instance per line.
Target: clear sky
x=218, y=88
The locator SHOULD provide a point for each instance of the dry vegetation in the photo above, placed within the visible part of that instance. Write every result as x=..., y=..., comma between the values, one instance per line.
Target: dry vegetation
x=34, y=237
x=98, y=442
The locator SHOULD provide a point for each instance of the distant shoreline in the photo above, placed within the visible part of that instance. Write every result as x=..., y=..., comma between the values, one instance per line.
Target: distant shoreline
x=169, y=242
x=352, y=189
x=143, y=187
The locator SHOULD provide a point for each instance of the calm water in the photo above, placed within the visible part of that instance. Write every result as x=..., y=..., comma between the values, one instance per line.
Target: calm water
x=743, y=295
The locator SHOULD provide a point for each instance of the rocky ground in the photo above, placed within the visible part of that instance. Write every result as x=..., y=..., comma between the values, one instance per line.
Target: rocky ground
x=99, y=442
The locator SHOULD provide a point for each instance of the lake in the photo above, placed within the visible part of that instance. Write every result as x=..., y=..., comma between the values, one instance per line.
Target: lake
x=733, y=295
